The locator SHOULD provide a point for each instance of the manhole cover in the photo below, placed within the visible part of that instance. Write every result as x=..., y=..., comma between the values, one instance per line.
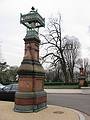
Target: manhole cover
x=58, y=112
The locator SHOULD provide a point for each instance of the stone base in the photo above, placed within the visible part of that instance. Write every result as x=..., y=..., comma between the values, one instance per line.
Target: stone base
x=30, y=101
x=30, y=108
x=83, y=83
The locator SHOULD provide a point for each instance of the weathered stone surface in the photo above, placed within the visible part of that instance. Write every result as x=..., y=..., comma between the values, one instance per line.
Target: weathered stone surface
x=21, y=108
x=30, y=94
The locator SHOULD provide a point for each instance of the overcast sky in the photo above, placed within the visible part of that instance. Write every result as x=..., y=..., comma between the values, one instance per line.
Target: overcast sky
x=75, y=22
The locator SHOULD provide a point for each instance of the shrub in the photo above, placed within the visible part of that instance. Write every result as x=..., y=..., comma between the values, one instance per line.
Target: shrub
x=59, y=83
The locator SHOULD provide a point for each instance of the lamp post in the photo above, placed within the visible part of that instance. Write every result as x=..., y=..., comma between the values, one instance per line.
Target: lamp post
x=31, y=96
x=82, y=77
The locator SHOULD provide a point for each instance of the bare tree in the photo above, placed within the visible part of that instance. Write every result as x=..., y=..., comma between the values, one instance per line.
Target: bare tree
x=86, y=63
x=71, y=52
x=55, y=45
x=83, y=62
x=79, y=63
x=60, y=50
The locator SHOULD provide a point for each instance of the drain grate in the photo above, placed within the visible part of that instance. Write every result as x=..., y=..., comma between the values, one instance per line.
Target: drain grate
x=58, y=112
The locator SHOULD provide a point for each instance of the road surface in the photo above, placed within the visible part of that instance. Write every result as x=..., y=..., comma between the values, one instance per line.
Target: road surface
x=77, y=101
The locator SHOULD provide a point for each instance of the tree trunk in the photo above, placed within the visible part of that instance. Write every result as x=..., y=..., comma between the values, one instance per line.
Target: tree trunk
x=71, y=76
x=63, y=65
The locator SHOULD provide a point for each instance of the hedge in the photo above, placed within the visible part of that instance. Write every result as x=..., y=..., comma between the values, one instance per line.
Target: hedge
x=62, y=83
x=59, y=83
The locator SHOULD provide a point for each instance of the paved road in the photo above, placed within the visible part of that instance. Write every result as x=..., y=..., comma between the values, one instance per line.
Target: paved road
x=77, y=101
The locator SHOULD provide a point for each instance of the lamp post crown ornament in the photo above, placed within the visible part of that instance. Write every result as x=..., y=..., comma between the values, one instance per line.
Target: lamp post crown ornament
x=32, y=8
x=32, y=17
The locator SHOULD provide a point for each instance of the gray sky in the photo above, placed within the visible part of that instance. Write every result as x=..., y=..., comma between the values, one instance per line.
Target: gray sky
x=75, y=22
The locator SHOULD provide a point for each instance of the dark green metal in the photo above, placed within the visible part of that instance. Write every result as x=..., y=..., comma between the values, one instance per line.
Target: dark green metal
x=32, y=19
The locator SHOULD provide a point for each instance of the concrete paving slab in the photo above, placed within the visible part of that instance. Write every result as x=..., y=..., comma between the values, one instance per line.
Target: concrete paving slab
x=83, y=90
x=50, y=113
x=78, y=91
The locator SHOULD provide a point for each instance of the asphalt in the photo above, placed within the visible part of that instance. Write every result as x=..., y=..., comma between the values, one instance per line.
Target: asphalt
x=83, y=90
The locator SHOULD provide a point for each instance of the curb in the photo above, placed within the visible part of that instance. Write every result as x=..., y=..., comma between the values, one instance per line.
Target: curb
x=81, y=116
x=67, y=91
x=64, y=91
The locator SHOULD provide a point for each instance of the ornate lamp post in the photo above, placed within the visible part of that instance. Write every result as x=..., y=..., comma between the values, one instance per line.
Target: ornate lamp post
x=82, y=77
x=31, y=96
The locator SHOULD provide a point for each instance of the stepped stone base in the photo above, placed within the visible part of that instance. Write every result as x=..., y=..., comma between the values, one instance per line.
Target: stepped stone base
x=81, y=83
x=30, y=108
x=30, y=101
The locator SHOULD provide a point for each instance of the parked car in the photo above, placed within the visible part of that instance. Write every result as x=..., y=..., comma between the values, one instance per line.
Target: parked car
x=1, y=86
x=11, y=87
x=7, y=93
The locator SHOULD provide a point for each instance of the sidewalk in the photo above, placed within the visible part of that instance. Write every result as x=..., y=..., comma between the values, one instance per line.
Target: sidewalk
x=50, y=113
x=63, y=91
x=76, y=91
